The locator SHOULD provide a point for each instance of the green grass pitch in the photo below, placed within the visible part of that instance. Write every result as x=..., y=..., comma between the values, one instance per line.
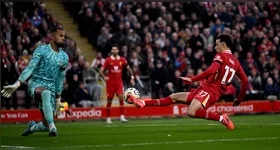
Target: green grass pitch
x=256, y=132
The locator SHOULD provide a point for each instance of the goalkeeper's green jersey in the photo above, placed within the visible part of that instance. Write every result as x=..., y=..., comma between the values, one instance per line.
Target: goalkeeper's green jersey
x=46, y=69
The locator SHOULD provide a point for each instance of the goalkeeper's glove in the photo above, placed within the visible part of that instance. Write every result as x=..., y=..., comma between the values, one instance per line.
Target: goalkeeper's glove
x=9, y=89
x=58, y=106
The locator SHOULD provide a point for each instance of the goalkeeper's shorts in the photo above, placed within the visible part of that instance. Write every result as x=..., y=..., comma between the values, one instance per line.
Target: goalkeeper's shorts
x=31, y=91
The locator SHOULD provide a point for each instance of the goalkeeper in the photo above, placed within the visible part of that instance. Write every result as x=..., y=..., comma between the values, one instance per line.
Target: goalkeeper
x=45, y=74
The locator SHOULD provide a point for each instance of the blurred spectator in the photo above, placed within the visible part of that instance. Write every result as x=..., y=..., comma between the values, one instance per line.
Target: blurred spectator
x=168, y=89
x=218, y=26
x=158, y=82
x=255, y=79
x=66, y=95
x=182, y=62
x=90, y=81
x=271, y=90
x=71, y=50
x=73, y=76
x=98, y=61
x=83, y=97
x=207, y=38
x=36, y=19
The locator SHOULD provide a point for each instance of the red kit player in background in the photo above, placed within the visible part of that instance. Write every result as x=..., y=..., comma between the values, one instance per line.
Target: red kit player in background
x=115, y=64
x=219, y=75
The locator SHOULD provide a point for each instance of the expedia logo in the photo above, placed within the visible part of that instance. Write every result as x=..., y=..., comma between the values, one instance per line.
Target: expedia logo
x=77, y=114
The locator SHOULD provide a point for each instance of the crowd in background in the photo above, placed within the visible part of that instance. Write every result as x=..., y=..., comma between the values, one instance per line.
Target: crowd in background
x=178, y=39
x=160, y=40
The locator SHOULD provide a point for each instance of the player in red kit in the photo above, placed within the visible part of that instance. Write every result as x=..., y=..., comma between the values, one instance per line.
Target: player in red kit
x=224, y=67
x=114, y=64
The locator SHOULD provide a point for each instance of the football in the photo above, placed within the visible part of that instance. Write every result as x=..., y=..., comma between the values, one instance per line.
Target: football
x=132, y=91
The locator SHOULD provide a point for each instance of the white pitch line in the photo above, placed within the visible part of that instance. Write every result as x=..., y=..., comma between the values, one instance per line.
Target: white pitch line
x=12, y=146
x=154, y=143
x=161, y=125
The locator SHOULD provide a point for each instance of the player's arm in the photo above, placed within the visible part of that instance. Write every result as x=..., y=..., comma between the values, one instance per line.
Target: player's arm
x=27, y=72
x=132, y=80
x=59, y=82
x=9, y=89
x=130, y=71
x=102, y=69
x=210, y=71
x=60, y=79
x=59, y=86
x=244, y=84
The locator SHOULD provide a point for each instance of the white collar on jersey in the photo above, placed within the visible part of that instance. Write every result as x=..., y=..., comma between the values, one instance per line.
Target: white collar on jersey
x=227, y=51
x=113, y=58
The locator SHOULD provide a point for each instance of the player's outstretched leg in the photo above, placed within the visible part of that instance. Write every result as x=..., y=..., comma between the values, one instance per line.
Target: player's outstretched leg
x=48, y=112
x=196, y=110
x=153, y=102
x=181, y=97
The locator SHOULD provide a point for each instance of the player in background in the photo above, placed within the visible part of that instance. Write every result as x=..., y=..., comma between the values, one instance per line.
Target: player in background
x=219, y=75
x=115, y=64
x=45, y=74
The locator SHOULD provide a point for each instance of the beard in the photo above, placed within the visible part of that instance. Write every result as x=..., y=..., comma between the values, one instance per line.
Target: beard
x=115, y=54
x=59, y=45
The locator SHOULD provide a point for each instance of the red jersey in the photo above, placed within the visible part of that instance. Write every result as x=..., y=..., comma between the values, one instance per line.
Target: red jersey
x=114, y=67
x=220, y=78
x=229, y=66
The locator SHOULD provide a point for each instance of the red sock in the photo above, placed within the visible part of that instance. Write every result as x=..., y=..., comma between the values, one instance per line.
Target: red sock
x=108, y=109
x=202, y=113
x=121, y=107
x=159, y=102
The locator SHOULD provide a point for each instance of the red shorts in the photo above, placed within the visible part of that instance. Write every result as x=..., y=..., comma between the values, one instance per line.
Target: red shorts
x=205, y=95
x=112, y=88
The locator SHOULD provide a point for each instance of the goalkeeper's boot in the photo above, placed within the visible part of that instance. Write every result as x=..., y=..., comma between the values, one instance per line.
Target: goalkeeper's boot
x=28, y=130
x=53, y=132
x=227, y=122
x=135, y=101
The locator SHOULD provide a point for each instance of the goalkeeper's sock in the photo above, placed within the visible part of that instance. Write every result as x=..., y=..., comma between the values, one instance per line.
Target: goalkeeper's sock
x=39, y=127
x=121, y=107
x=202, y=113
x=47, y=109
x=159, y=102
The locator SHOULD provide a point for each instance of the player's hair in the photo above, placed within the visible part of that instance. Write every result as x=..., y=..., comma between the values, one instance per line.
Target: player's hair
x=115, y=45
x=225, y=37
x=54, y=29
